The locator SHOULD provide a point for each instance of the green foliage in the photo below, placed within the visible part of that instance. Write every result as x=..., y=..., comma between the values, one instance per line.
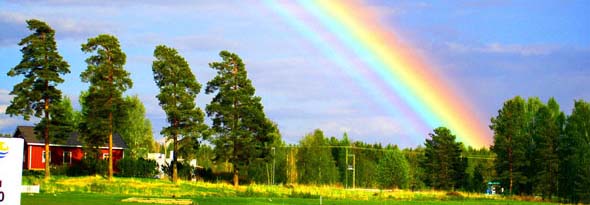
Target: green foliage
x=574, y=172
x=178, y=91
x=444, y=167
x=416, y=175
x=477, y=182
x=261, y=169
x=510, y=144
x=367, y=156
x=108, y=80
x=242, y=130
x=136, y=129
x=41, y=67
x=61, y=123
x=90, y=165
x=339, y=154
x=548, y=124
x=184, y=170
x=129, y=167
x=392, y=170
x=315, y=163
x=104, y=102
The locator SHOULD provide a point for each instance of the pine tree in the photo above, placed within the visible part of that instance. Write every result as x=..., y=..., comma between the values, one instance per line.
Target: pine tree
x=239, y=122
x=108, y=80
x=443, y=163
x=178, y=90
x=574, y=172
x=549, y=123
x=41, y=67
x=510, y=144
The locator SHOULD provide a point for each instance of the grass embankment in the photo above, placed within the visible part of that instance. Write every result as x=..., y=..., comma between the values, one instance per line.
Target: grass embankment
x=99, y=188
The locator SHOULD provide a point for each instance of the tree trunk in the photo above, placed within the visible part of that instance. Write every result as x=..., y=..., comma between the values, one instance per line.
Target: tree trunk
x=46, y=136
x=110, y=102
x=46, y=132
x=47, y=154
x=111, y=147
x=510, y=167
x=236, y=178
x=174, y=161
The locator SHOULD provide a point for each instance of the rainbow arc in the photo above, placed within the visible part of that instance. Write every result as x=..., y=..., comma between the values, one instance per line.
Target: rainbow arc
x=388, y=70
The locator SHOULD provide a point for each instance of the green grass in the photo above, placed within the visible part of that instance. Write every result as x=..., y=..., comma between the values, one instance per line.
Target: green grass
x=105, y=199
x=98, y=190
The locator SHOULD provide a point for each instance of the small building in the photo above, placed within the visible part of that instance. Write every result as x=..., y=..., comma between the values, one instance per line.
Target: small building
x=67, y=153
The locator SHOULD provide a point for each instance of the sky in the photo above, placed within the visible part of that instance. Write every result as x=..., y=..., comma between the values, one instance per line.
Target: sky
x=488, y=51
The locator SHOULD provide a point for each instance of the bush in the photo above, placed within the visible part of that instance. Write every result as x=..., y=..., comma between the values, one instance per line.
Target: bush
x=185, y=170
x=88, y=166
x=137, y=168
x=392, y=170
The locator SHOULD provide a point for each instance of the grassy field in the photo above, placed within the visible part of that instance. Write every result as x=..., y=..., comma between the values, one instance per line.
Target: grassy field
x=102, y=199
x=97, y=190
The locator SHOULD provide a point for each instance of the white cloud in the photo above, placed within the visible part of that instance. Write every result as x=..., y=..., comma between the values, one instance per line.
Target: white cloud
x=5, y=98
x=518, y=49
x=15, y=23
x=367, y=128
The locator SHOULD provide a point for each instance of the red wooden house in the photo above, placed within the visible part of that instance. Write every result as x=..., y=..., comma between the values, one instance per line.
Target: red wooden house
x=70, y=152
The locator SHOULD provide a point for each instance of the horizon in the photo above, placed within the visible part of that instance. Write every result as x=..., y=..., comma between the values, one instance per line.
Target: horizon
x=487, y=51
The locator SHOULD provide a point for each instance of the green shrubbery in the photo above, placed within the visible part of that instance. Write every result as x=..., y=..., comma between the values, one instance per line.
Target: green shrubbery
x=137, y=167
x=185, y=170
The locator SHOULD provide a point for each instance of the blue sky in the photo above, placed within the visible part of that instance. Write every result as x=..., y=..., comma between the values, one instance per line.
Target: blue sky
x=490, y=51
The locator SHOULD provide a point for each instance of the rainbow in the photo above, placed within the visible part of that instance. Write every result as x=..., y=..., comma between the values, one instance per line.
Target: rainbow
x=349, y=33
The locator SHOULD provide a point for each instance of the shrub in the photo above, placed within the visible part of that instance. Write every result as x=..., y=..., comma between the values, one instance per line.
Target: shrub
x=137, y=167
x=185, y=170
x=393, y=170
x=89, y=166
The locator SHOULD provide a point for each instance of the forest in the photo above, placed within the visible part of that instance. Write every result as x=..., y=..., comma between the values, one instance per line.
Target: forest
x=537, y=149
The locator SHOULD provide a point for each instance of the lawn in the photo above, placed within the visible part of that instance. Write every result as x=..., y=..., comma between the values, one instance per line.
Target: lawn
x=98, y=190
x=105, y=199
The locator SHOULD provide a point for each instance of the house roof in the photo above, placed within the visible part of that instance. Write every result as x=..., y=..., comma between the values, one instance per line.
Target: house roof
x=28, y=134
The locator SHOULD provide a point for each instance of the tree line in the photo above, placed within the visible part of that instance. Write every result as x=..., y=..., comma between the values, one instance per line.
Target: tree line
x=541, y=151
x=240, y=129
x=537, y=149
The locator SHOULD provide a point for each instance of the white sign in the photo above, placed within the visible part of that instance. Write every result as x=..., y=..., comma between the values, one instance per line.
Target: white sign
x=11, y=169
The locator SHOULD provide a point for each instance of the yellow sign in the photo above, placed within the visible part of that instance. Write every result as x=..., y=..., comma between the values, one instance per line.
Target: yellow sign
x=3, y=150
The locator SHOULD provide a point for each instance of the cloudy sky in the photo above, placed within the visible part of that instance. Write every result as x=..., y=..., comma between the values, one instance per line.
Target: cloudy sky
x=489, y=50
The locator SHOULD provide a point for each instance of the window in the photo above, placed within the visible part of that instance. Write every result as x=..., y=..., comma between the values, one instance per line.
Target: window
x=43, y=156
x=105, y=156
x=67, y=157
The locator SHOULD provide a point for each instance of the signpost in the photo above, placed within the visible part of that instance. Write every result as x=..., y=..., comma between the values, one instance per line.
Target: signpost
x=11, y=168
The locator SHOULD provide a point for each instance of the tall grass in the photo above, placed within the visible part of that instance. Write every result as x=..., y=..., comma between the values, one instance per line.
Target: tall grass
x=164, y=188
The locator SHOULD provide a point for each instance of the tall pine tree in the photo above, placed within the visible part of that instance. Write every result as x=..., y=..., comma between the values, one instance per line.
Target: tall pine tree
x=443, y=164
x=510, y=144
x=41, y=67
x=108, y=80
x=574, y=169
x=178, y=91
x=240, y=125
x=549, y=122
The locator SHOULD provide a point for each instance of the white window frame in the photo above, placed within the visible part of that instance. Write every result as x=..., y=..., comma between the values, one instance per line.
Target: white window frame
x=69, y=161
x=43, y=156
x=105, y=156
